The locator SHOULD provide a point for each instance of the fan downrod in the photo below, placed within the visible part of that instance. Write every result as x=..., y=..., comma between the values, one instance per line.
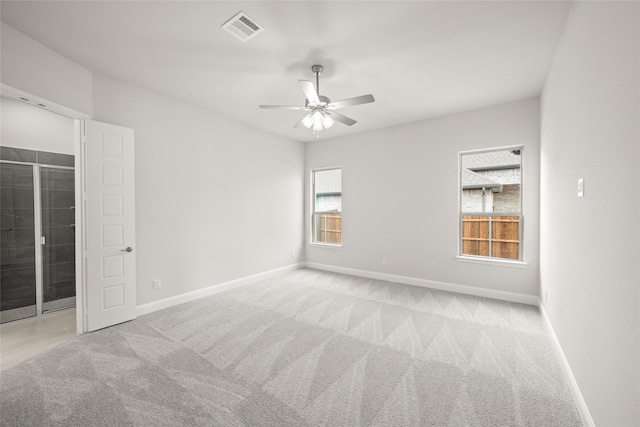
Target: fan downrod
x=317, y=70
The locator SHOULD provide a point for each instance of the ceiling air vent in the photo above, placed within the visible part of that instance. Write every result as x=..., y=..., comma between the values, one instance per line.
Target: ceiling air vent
x=242, y=26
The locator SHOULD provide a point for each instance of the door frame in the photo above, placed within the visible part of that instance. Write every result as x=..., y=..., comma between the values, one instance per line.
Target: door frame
x=80, y=193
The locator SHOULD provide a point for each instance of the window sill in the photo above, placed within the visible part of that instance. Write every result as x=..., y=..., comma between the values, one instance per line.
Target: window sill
x=491, y=261
x=325, y=245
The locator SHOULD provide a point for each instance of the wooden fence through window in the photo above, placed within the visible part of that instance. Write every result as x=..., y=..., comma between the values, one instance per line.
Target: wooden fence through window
x=491, y=236
x=328, y=228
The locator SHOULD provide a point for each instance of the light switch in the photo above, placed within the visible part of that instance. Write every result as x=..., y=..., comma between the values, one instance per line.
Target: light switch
x=581, y=187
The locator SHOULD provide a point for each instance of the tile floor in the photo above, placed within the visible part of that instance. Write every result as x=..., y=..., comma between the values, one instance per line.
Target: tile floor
x=23, y=339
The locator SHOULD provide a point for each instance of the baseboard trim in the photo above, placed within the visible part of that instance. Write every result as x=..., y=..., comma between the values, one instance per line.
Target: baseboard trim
x=211, y=290
x=583, y=410
x=433, y=284
x=444, y=286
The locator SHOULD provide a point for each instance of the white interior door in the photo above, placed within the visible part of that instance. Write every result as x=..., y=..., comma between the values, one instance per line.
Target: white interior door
x=109, y=225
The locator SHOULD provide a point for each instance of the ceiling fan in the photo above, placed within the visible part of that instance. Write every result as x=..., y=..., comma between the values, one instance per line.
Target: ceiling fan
x=320, y=110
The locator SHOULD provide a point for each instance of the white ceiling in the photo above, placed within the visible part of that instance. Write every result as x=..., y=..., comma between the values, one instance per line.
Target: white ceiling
x=420, y=59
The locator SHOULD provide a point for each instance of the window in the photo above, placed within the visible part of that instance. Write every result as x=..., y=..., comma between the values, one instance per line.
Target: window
x=327, y=206
x=491, y=203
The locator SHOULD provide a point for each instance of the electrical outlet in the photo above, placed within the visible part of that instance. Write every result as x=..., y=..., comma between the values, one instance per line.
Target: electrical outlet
x=384, y=261
x=293, y=255
x=157, y=284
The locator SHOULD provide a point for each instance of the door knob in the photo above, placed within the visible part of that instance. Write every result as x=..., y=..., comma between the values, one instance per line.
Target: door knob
x=128, y=249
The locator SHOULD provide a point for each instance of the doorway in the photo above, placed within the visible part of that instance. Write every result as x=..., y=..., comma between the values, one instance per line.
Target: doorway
x=38, y=221
x=104, y=191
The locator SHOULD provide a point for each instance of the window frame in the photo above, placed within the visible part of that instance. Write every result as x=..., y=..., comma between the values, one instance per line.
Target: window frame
x=520, y=262
x=314, y=212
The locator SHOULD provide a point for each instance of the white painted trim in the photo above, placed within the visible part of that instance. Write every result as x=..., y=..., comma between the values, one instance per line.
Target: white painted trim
x=491, y=261
x=583, y=410
x=81, y=226
x=143, y=309
x=39, y=102
x=490, y=149
x=325, y=245
x=443, y=286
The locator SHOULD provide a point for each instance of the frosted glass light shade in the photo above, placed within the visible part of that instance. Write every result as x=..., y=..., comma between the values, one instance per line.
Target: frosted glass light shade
x=317, y=117
x=307, y=121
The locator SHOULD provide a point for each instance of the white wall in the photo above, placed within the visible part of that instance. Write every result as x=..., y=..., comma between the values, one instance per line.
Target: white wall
x=26, y=126
x=32, y=67
x=400, y=196
x=590, y=256
x=215, y=200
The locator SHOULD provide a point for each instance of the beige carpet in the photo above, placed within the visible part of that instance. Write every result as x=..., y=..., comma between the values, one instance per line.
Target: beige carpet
x=308, y=348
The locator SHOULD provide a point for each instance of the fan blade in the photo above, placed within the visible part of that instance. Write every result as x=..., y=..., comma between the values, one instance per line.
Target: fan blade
x=282, y=107
x=341, y=118
x=349, y=102
x=299, y=124
x=309, y=91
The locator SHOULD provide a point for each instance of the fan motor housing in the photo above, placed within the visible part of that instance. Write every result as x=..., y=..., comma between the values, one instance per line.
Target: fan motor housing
x=323, y=101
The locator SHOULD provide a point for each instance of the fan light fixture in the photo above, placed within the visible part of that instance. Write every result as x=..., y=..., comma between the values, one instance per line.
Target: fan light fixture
x=317, y=120
x=320, y=110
